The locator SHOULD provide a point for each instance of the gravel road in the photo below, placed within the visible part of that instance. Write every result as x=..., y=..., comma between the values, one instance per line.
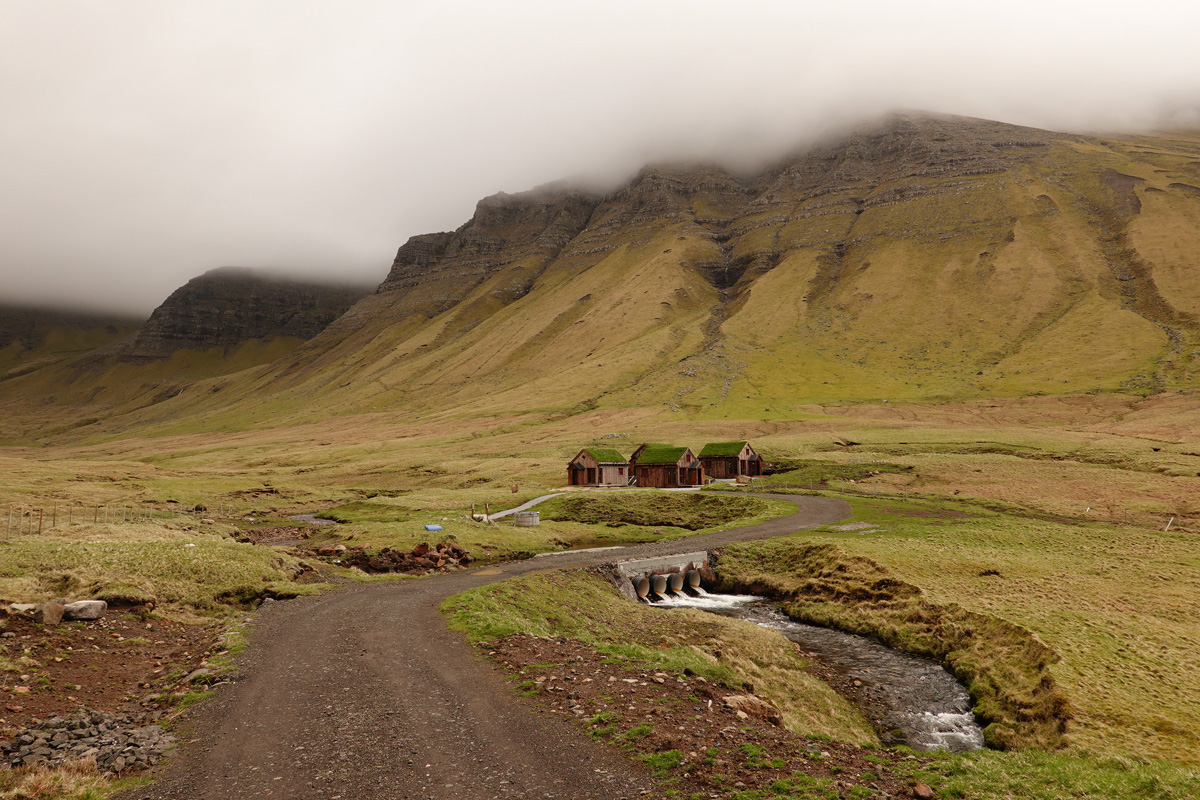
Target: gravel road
x=363, y=694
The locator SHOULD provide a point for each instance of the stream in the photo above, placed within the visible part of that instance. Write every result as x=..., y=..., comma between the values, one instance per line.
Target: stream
x=312, y=519
x=911, y=700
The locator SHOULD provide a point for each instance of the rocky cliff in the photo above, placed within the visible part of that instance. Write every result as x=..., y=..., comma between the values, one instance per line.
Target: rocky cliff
x=228, y=306
x=528, y=229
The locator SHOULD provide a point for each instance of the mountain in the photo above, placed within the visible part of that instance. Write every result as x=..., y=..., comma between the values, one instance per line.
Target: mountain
x=918, y=258
x=32, y=338
x=230, y=306
x=222, y=322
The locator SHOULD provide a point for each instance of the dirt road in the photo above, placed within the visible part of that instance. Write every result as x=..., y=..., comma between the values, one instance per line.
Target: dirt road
x=363, y=694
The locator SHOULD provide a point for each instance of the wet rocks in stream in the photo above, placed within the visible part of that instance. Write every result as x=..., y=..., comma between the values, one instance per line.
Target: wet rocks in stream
x=117, y=742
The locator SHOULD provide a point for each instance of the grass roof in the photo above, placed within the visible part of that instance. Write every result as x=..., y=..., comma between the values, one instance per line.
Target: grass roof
x=722, y=449
x=606, y=455
x=661, y=454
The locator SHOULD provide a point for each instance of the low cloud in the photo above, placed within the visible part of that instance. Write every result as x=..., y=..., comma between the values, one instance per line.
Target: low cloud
x=148, y=142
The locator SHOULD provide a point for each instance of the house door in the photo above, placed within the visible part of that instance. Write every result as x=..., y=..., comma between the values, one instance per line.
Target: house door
x=591, y=475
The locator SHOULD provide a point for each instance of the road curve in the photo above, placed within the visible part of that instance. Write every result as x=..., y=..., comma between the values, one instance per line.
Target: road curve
x=363, y=694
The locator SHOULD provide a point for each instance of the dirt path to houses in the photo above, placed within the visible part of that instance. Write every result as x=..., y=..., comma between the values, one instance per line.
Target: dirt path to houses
x=363, y=694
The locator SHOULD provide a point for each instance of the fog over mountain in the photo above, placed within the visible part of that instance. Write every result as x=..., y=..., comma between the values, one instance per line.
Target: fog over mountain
x=146, y=143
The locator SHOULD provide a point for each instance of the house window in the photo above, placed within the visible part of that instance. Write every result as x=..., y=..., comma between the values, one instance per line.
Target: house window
x=620, y=472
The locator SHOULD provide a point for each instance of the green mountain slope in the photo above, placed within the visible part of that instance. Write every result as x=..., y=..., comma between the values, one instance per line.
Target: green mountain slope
x=921, y=258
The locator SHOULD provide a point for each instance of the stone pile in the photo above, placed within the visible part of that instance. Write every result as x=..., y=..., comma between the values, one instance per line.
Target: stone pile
x=118, y=742
x=422, y=558
x=55, y=611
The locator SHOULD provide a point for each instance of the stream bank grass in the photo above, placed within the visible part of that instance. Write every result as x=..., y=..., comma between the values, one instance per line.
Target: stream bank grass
x=582, y=605
x=1004, y=666
x=1116, y=604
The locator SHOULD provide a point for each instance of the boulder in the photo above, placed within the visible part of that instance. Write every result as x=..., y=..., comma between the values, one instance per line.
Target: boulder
x=201, y=675
x=421, y=549
x=754, y=707
x=49, y=613
x=85, y=609
x=22, y=608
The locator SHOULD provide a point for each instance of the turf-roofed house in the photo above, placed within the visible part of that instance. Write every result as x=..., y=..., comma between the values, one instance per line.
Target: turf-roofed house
x=664, y=466
x=598, y=466
x=730, y=460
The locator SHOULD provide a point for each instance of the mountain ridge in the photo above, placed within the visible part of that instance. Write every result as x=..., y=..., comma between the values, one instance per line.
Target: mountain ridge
x=917, y=258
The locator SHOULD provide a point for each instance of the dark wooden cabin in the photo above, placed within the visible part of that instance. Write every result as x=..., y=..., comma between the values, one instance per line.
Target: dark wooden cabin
x=598, y=466
x=664, y=466
x=730, y=459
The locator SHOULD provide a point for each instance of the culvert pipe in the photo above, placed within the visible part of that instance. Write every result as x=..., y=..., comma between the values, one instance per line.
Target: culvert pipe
x=642, y=587
x=659, y=584
x=675, y=581
x=693, y=579
x=626, y=574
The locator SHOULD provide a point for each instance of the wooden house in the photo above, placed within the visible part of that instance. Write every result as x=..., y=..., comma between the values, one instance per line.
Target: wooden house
x=598, y=466
x=730, y=459
x=663, y=466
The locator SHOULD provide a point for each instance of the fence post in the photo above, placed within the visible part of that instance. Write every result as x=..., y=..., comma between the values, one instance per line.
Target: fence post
x=41, y=514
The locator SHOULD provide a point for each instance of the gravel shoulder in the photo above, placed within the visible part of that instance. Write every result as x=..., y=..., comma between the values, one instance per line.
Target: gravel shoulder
x=364, y=693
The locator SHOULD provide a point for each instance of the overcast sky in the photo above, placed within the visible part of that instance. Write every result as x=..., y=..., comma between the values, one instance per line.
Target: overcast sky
x=143, y=142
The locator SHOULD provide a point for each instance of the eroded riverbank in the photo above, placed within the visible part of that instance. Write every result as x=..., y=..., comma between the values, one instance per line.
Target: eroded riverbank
x=910, y=700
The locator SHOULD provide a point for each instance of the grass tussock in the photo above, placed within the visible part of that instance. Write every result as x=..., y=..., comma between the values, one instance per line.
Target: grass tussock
x=195, y=573
x=74, y=780
x=691, y=511
x=584, y=606
x=1005, y=667
x=990, y=775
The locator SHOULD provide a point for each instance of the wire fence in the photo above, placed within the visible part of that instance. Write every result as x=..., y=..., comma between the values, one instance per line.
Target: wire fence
x=37, y=518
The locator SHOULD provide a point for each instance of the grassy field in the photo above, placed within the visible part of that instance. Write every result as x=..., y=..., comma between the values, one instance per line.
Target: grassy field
x=1111, y=602
x=579, y=519
x=1020, y=495
x=584, y=606
x=176, y=567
